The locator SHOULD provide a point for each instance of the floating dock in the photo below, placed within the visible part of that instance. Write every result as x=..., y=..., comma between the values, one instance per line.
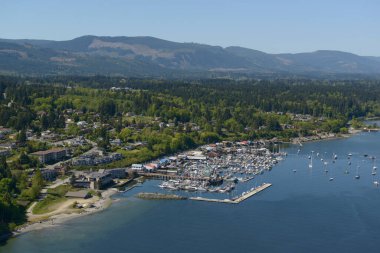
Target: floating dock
x=237, y=200
x=253, y=192
x=171, y=176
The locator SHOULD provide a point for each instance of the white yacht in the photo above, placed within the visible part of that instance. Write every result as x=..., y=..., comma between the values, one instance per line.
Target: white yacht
x=311, y=162
x=357, y=176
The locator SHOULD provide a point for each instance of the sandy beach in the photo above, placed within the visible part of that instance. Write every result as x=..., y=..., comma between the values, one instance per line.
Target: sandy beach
x=65, y=213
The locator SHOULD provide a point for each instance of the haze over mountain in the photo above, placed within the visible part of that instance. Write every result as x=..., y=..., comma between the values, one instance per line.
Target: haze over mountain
x=148, y=56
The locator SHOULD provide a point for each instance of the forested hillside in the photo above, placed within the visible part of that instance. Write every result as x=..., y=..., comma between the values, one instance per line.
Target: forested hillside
x=153, y=57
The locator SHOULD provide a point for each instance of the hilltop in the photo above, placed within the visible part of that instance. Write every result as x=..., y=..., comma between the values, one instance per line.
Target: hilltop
x=153, y=57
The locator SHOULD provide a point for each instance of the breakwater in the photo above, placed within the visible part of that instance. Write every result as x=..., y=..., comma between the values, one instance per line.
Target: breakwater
x=237, y=200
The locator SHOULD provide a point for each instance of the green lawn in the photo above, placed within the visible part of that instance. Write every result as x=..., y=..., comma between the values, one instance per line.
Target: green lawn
x=48, y=204
x=55, y=196
x=60, y=191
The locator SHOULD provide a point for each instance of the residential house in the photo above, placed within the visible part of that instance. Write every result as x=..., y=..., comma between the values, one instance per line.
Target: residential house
x=115, y=142
x=5, y=152
x=5, y=131
x=82, y=124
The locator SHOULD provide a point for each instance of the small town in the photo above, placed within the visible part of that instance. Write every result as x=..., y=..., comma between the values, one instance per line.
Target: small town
x=189, y=126
x=72, y=157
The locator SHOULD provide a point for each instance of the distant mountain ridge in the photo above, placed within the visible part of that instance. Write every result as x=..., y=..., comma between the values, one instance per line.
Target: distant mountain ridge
x=149, y=56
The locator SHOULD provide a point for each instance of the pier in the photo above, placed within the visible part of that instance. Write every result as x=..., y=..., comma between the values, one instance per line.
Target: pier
x=237, y=200
x=253, y=192
x=122, y=183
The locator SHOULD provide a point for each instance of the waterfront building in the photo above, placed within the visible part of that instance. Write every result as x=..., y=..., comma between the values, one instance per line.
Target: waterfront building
x=115, y=173
x=83, y=194
x=137, y=166
x=99, y=180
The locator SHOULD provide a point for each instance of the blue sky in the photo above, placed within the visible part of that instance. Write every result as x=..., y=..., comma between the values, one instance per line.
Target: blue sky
x=274, y=26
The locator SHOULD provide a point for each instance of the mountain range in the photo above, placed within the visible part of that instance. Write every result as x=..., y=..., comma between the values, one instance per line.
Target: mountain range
x=153, y=57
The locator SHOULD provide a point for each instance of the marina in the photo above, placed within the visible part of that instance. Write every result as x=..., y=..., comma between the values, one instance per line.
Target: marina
x=336, y=214
x=217, y=168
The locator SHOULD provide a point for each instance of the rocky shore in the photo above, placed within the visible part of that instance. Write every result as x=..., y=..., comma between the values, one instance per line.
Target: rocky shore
x=159, y=196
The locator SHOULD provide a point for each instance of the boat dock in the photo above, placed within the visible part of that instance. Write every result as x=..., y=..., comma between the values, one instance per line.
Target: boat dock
x=253, y=192
x=237, y=200
x=213, y=200
x=123, y=182
x=171, y=176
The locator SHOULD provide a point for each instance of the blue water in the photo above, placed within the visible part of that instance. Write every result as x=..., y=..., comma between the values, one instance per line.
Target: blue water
x=301, y=212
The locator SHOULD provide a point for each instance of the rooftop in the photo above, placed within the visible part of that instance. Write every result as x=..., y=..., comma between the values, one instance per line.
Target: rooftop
x=78, y=194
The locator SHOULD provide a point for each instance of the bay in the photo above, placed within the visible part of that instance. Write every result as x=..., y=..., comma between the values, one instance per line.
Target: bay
x=302, y=212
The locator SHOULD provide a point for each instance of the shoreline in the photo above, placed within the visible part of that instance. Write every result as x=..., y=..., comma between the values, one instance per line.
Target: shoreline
x=106, y=201
x=57, y=219
x=316, y=138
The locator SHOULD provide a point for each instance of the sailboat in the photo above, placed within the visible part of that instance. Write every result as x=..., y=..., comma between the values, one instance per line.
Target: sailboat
x=357, y=176
x=325, y=164
x=311, y=162
x=347, y=171
x=331, y=177
x=374, y=168
x=374, y=164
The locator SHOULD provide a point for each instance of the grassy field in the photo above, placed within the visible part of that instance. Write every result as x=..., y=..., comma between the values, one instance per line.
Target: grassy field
x=55, y=197
x=48, y=205
x=60, y=191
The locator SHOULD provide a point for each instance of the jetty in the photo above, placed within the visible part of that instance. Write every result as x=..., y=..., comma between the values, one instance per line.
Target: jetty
x=253, y=192
x=228, y=201
x=158, y=196
x=236, y=200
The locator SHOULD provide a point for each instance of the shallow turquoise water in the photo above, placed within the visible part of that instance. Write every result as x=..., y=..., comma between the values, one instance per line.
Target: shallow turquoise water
x=301, y=212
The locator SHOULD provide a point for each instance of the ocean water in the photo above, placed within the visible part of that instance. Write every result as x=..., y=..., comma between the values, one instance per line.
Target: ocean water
x=302, y=212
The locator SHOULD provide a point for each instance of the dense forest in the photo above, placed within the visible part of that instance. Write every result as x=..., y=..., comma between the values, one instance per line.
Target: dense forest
x=167, y=115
